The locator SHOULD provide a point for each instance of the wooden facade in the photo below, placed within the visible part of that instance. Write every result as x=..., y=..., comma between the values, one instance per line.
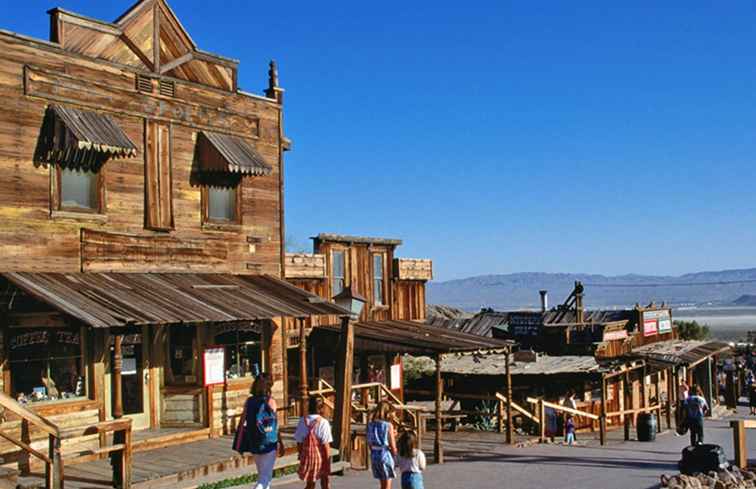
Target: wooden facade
x=117, y=140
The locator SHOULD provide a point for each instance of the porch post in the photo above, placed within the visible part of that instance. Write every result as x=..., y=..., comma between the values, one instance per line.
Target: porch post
x=510, y=421
x=710, y=385
x=437, y=449
x=117, y=385
x=342, y=417
x=602, y=416
x=303, y=389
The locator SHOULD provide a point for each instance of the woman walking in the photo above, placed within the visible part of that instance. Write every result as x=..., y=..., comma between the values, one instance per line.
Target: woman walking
x=382, y=442
x=314, y=438
x=263, y=437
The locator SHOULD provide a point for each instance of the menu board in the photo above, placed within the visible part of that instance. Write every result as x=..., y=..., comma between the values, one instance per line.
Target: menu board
x=214, y=361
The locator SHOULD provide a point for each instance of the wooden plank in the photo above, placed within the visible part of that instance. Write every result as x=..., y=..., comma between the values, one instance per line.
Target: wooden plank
x=437, y=447
x=739, y=443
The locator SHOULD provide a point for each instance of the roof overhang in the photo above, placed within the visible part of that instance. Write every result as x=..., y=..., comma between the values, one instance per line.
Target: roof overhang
x=223, y=153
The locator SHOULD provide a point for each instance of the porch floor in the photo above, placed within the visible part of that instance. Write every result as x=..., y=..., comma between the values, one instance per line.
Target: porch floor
x=170, y=457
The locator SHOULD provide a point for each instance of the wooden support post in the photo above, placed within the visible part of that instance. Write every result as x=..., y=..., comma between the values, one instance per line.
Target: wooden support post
x=285, y=367
x=739, y=442
x=602, y=416
x=55, y=474
x=542, y=421
x=657, y=383
x=209, y=410
x=627, y=394
x=117, y=382
x=303, y=389
x=343, y=405
x=510, y=420
x=437, y=448
x=500, y=416
x=709, y=386
x=670, y=393
x=643, y=394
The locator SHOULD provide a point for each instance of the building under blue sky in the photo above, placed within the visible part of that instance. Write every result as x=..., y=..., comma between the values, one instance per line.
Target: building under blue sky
x=498, y=137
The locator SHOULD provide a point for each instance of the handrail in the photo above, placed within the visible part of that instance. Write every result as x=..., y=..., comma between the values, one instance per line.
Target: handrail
x=23, y=412
x=518, y=408
x=739, y=428
x=26, y=447
x=563, y=408
x=633, y=411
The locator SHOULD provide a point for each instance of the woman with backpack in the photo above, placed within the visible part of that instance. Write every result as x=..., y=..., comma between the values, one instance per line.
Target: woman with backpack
x=314, y=438
x=261, y=435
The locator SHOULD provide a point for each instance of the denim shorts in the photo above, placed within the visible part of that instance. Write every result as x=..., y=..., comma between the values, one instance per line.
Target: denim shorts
x=412, y=480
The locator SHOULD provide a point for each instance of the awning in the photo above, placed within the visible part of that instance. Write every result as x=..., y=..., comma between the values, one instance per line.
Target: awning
x=416, y=338
x=229, y=154
x=679, y=352
x=112, y=300
x=79, y=133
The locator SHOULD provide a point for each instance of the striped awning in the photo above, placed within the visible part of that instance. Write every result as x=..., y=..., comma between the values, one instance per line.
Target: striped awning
x=223, y=153
x=82, y=130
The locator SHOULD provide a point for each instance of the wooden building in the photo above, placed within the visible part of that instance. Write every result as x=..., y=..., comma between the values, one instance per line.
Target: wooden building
x=142, y=230
x=394, y=293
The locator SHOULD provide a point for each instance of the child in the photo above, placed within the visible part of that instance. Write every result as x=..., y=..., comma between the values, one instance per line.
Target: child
x=411, y=461
x=314, y=438
x=569, y=430
x=382, y=444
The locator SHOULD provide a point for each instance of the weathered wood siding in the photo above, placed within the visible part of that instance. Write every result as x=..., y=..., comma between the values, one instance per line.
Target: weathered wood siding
x=34, y=237
x=409, y=300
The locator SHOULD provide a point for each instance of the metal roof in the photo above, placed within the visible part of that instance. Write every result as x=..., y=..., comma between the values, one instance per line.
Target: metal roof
x=679, y=352
x=345, y=238
x=230, y=154
x=410, y=337
x=87, y=130
x=103, y=300
x=495, y=364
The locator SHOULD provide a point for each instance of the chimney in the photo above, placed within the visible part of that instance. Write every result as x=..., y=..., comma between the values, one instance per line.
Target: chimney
x=579, y=313
x=544, y=300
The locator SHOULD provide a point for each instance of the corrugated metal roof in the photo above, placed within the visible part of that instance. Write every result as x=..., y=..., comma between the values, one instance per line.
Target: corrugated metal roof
x=236, y=155
x=679, y=352
x=495, y=364
x=481, y=324
x=345, y=238
x=104, y=300
x=92, y=131
x=410, y=337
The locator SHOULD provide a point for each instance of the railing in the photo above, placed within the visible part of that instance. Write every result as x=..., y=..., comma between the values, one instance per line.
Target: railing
x=541, y=406
x=120, y=450
x=633, y=412
x=739, y=428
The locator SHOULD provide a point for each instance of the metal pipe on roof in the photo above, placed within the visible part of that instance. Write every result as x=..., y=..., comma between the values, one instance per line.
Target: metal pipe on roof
x=544, y=300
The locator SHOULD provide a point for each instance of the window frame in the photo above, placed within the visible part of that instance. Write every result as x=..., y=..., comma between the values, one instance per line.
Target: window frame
x=57, y=193
x=205, y=198
x=332, y=277
x=375, y=279
x=236, y=346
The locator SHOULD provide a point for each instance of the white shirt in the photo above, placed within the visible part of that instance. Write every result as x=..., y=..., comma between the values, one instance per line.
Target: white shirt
x=414, y=464
x=322, y=430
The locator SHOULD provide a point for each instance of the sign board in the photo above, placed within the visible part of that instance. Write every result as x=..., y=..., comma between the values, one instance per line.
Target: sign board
x=525, y=324
x=656, y=322
x=214, y=362
x=396, y=377
x=619, y=334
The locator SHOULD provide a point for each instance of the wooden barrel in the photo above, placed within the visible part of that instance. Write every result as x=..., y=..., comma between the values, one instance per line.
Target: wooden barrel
x=646, y=427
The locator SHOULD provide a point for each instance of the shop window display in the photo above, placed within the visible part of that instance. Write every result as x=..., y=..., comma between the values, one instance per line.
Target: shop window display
x=243, y=351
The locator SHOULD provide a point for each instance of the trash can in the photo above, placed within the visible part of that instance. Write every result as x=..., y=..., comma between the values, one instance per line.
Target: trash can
x=646, y=427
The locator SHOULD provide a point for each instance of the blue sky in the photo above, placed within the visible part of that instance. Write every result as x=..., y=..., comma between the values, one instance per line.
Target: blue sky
x=499, y=137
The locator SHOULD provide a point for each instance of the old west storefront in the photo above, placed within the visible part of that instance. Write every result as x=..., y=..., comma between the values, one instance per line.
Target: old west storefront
x=141, y=211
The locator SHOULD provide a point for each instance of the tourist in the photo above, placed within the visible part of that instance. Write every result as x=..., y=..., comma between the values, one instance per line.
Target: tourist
x=683, y=389
x=264, y=439
x=411, y=461
x=382, y=444
x=314, y=438
x=752, y=393
x=696, y=408
x=569, y=430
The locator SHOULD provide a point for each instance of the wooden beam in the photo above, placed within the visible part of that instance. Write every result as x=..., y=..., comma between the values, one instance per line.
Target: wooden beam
x=117, y=381
x=627, y=396
x=156, y=38
x=303, y=389
x=36, y=320
x=602, y=417
x=137, y=51
x=343, y=407
x=175, y=63
x=437, y=448
x=510, y=421
x=739, y=442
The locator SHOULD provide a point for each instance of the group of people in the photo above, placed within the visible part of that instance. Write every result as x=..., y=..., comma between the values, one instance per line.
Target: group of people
x=690, y=413
x=259, y=435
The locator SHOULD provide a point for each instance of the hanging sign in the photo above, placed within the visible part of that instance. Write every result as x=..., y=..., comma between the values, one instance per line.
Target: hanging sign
x=656, y=322
x=214, y=361
x=649, y=327
x=396, y=377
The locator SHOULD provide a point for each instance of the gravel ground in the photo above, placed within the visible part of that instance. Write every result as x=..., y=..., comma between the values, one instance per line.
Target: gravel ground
x=481, y=461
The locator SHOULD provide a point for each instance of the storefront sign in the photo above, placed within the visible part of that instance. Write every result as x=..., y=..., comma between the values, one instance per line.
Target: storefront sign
x=656, y=322
x=620, y=334
x=649, y=327
x=525, y=324
x=396, y=377
x=214, y=361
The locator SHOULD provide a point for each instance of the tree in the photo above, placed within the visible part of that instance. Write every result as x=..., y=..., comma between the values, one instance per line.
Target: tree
x=692, y=330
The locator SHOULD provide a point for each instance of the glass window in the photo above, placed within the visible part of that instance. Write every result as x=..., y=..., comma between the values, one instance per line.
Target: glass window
x=78, y=189
x=378, y=279
x=221, y=204
x=337, y=272
x=243, y=351
x=46, y=364
x=181, y=348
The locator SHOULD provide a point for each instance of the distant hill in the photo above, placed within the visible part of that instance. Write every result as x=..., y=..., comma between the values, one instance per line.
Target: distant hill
x=520, y=290
x=746, y=300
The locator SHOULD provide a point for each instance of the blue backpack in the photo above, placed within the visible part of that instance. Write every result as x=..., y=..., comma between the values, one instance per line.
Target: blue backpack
x=262, y=427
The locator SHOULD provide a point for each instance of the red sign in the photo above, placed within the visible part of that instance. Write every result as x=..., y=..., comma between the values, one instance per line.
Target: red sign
x=650, y=327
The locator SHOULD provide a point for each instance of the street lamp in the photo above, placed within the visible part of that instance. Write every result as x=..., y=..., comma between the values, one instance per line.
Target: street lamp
x=352, y=302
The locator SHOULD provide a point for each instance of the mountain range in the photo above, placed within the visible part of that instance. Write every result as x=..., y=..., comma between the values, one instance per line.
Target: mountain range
x=520, y=290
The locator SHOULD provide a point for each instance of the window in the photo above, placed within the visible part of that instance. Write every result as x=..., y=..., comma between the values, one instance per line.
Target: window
x=79, y=190
x=221, y=204
x=243, y=351
x=158, y=185
x=378, y=280
x=338, y=269
x=181, y=350
x=46, y=364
